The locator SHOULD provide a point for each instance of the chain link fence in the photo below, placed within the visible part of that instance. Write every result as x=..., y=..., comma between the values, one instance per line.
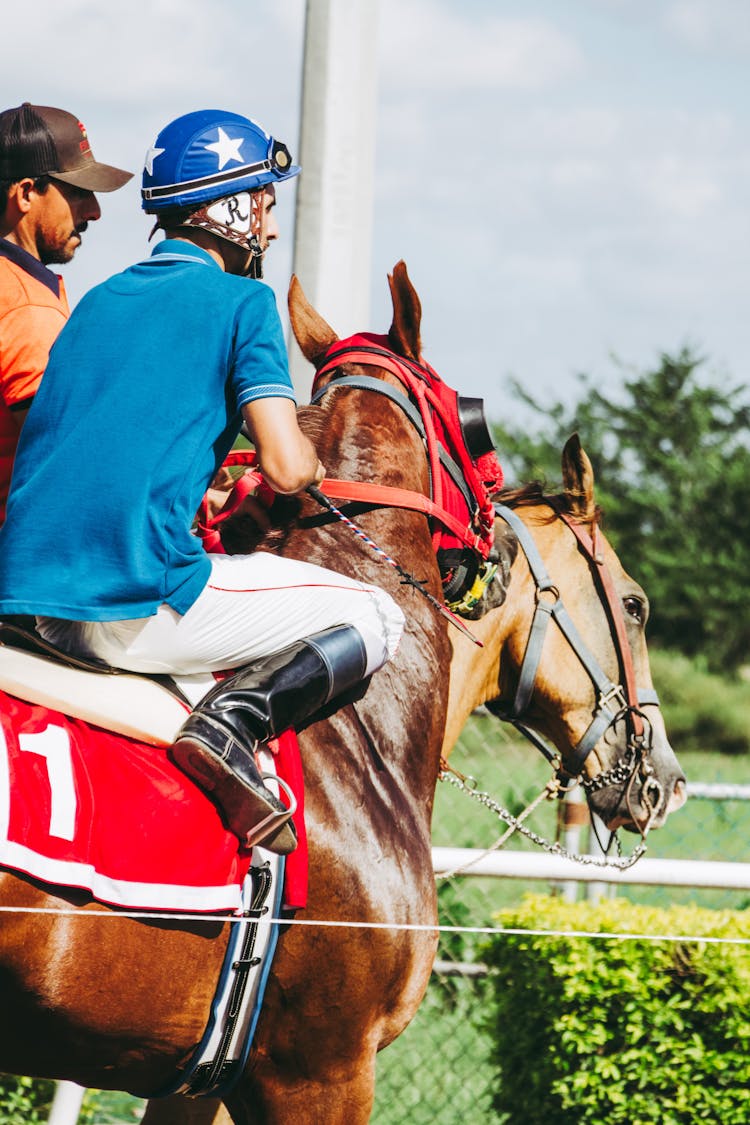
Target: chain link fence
x=441, y=1070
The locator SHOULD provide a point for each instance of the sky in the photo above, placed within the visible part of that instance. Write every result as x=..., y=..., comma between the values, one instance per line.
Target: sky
x=568, y=182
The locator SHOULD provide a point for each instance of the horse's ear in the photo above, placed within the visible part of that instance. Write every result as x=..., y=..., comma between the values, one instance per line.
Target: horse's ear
x=313, y=334
x=578, y=477
x=407, y=314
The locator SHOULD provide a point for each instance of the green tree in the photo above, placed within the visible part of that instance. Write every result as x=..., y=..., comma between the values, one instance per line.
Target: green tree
x=672, y=463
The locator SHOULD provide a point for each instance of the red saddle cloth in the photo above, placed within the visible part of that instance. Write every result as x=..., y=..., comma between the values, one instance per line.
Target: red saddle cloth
x=82, y=807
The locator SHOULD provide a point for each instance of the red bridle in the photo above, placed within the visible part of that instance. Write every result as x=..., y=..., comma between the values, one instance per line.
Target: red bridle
x=432, y=399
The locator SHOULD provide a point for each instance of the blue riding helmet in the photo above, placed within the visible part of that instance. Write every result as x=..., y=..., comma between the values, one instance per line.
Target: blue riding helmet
x=209, y=154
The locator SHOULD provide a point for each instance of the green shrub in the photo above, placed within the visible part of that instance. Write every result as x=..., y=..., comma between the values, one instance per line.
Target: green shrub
x=594, y=1030
x=24, y=1101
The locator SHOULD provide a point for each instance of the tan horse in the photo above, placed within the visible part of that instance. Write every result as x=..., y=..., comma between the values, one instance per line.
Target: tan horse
x=287, y=1079
x=113, y=1002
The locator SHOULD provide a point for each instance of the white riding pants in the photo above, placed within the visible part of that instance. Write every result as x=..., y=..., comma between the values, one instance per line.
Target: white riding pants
x=252, y=606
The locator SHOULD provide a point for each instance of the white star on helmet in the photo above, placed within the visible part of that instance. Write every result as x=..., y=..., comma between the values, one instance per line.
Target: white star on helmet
x=226, y=148
x=151, y=156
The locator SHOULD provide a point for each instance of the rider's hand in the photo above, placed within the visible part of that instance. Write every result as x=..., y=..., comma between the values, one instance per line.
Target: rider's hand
x=287, y=457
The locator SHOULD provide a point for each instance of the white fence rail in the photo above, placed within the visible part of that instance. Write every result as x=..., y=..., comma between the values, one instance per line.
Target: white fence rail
x=718, y=792
x=701, y=874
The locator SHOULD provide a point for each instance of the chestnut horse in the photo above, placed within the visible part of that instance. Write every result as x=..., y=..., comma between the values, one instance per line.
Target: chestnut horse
x=116, y=1003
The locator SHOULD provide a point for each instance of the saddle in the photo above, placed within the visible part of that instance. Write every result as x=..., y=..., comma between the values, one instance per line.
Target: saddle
x=150, y=708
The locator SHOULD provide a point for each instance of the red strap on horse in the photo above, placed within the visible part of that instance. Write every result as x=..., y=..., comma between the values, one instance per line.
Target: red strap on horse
x=208, y=527
x=430, y=403
x=390, y=497
x=389, y=362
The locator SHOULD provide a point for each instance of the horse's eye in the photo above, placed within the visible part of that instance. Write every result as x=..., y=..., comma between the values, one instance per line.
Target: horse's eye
x=634, y=608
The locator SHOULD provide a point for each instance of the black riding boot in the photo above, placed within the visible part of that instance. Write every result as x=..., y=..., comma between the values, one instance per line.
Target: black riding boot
x=217, y=743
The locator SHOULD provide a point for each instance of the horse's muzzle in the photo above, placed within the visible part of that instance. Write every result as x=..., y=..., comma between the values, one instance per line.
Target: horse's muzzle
x=639, y=804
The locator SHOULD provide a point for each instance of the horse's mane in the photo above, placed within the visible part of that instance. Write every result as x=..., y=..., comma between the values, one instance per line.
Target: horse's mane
x=312, y=420
x=531, y=493
x=535, y=492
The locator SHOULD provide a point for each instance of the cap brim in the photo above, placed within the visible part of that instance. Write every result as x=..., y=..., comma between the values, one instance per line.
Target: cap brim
x=94, y=177
x=292, y=170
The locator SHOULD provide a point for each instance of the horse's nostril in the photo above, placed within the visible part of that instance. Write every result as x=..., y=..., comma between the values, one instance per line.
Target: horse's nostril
x=679, y=796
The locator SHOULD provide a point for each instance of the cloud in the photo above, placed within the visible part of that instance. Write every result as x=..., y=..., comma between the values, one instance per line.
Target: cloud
x=721, y=26
x=430, y=44
x=127, y=67
x=584, y=229
x=151, y=55
x=562, y=179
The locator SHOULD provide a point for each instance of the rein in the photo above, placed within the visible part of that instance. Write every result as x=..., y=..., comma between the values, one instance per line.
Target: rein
x=406, y=578
x=627, y=699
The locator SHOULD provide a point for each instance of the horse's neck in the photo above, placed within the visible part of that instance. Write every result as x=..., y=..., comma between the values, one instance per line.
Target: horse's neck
x=476, y=672
x=374, y=444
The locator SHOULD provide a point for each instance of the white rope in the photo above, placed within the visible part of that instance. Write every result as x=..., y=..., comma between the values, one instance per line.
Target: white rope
x=405, y=927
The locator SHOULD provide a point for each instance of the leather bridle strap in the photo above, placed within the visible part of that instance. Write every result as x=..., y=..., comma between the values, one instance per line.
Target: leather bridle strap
x=545, y=612
x=385, y=495
x=548, y=610
x=369, y=383
x=591, y=548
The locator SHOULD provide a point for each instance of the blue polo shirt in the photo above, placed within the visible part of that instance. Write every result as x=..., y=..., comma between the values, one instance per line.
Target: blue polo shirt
x=138, y=408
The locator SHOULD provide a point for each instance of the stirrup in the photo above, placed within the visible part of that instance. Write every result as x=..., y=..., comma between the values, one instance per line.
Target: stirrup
x=225, y=768
x=275, y=821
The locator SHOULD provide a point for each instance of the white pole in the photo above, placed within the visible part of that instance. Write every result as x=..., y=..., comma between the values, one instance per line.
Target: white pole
x=66, y=1104
x=575, y=816
x=333, y=222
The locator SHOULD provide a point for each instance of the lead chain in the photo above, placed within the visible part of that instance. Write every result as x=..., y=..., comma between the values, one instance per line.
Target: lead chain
x=621, y=863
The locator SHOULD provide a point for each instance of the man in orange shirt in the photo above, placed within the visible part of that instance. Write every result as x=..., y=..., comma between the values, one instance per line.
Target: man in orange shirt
x=48, y=176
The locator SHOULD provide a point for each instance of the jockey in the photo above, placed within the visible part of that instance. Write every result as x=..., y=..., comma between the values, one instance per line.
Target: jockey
x=146, y=390
x=48, y=177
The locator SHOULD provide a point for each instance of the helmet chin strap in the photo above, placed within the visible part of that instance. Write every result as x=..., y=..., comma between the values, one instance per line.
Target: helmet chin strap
x=255, y=265
x=240, y=219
